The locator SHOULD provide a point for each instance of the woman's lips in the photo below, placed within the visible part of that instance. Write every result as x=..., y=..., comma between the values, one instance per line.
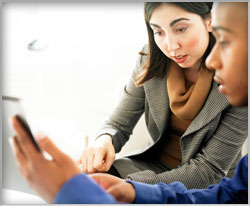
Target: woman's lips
x=180, y=58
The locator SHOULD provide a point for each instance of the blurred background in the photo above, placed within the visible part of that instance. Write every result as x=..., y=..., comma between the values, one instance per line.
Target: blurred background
x=68, y=63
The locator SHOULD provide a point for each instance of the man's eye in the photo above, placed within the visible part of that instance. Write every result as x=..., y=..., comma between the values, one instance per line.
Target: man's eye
x=223, y=43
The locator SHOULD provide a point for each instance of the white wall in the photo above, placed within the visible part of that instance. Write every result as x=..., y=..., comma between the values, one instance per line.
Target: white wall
x=88, y=51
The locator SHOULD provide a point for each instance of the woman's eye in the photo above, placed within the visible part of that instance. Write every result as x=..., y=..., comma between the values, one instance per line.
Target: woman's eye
x=181, y=29
x=157, y=33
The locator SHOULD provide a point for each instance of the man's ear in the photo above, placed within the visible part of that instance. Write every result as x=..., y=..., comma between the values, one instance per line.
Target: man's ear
x=209, y=23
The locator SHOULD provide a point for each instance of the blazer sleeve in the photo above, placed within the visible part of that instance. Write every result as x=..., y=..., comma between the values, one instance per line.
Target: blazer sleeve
x=213, y=159
x=122, y=121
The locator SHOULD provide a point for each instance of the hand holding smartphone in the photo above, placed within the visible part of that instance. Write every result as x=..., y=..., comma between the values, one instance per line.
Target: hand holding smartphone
x=26, y=127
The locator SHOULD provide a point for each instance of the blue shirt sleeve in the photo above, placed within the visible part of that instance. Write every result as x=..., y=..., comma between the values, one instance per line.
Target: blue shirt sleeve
x=233, y=190
x=81, y=189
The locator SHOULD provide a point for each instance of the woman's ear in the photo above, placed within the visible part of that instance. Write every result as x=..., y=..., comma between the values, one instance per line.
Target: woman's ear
x=208, y=23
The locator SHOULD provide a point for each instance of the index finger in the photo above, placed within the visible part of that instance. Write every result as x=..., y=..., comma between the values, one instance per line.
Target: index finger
x=24, y=139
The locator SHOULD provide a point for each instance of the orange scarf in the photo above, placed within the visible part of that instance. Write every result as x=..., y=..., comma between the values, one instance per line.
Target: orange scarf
x=186, y=103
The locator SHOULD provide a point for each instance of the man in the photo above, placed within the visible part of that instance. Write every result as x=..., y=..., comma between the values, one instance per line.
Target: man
x=60, y=181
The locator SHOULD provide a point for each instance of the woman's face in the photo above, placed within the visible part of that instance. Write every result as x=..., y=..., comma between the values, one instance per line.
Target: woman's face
x=182, y=36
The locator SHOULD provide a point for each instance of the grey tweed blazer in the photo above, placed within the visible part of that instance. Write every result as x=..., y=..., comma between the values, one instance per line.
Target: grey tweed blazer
x=211, y=145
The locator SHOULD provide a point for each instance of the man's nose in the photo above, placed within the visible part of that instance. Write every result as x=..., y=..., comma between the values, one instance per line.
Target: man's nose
x=213, y=60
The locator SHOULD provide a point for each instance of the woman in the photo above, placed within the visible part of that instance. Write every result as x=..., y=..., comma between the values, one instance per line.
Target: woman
x=197, y=135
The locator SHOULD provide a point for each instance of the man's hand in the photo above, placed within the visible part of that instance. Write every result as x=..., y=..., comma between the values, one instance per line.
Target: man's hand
x=117, y=187
x=45, y=176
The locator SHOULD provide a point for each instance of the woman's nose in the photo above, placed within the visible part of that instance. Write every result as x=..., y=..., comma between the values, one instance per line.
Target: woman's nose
x=172, y=43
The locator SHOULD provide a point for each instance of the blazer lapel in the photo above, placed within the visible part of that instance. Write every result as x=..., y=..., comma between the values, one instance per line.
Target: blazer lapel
x=215, y=103
x=157, y=97
x=158, y=101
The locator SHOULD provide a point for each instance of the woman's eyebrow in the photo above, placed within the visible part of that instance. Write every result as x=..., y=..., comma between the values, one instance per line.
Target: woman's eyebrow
x=155, y=25
x=177, y=20
x=172, y=23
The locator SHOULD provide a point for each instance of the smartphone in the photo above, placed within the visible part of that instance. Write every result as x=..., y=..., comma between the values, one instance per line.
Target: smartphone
x=25, y=125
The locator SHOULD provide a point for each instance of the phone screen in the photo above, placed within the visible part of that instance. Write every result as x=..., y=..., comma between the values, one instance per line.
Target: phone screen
x=25, y=125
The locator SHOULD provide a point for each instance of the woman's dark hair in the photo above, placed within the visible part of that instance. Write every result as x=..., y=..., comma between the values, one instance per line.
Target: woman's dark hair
x=157, y=63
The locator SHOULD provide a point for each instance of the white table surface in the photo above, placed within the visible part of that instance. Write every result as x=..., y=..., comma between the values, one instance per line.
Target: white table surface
x=17, y=197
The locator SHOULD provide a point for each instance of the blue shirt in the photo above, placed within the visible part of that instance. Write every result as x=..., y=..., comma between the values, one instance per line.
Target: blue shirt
x=82, y=189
